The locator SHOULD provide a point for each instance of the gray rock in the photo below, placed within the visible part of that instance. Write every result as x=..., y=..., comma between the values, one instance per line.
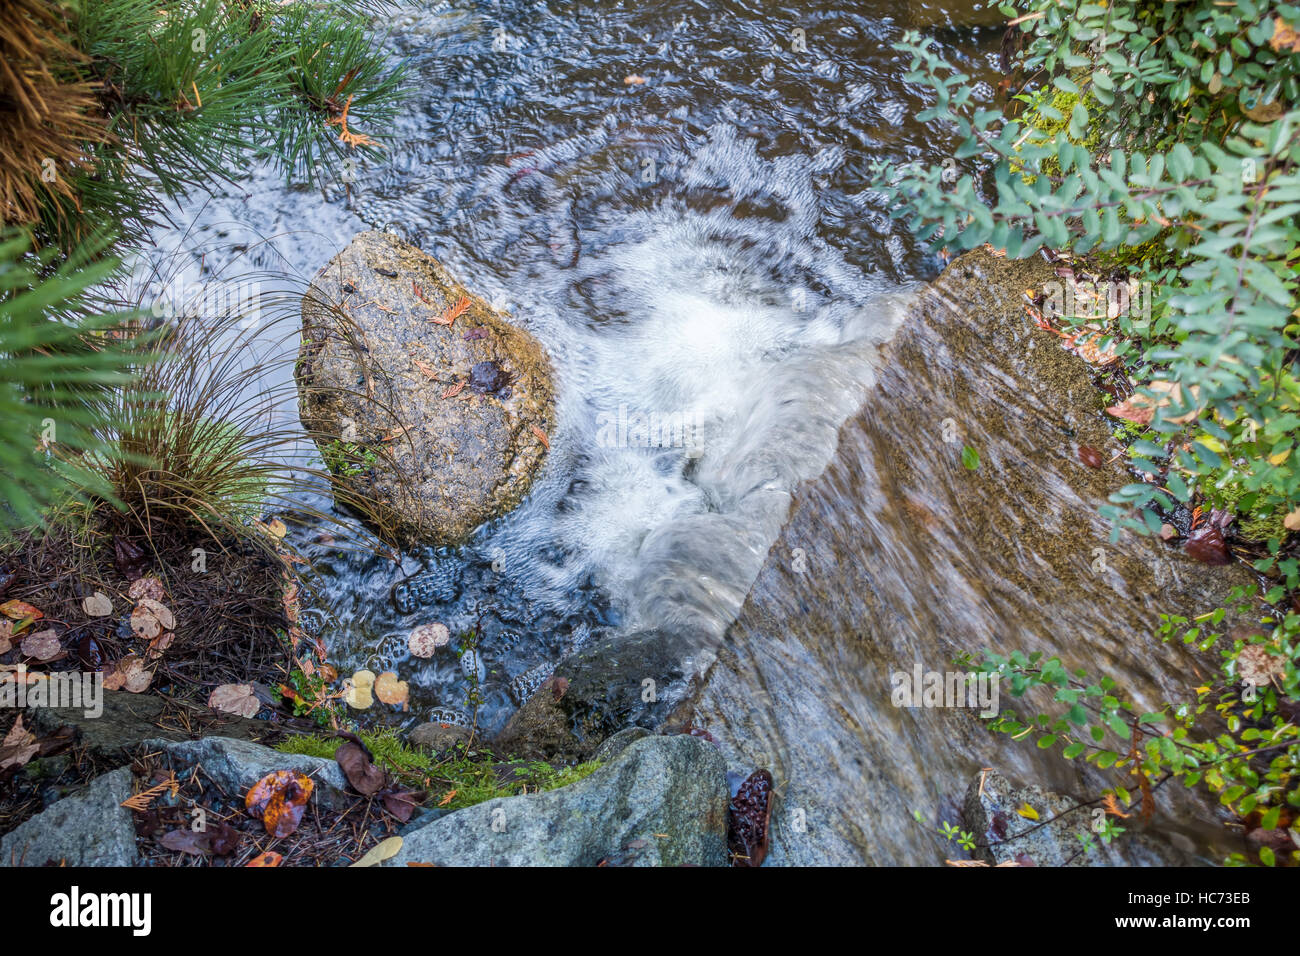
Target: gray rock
x=671, y=786
x=90, y=828
x=1002, y=834
x=616, y=744
x=130, y=719
x=436, y=737
x=419, y=467
x=235, y=765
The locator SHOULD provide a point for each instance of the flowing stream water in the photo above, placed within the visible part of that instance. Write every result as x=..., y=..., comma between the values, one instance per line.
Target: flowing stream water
x=702, y=247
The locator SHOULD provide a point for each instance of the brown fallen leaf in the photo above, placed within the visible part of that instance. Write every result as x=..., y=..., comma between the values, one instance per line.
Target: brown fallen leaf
x=158, y=646
x=1141, y=408
x=150, y=618
x=365, y=778
x=401, y=803
x=380, y=852
x=146, y=587
x=390, y=690
x=452, y=391
x=425, y=369
x=541, y=436
x=129, y=558
x=128, y=674
x=98, y=604
x=633, y=80
x=279, y=800
x=18, y=747
x=451, y=794
x=238, y=699
x=427, y=638
x=43, y=645
x=269, y=858
x=1292, y=521
x=6, y=636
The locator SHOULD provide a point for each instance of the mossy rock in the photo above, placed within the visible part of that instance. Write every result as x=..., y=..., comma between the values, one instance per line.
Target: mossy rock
x=430, y=429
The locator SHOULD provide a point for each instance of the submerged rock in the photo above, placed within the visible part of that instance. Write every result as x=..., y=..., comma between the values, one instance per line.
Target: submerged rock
x=431, y=410
x=661, y=802
x=90, y=828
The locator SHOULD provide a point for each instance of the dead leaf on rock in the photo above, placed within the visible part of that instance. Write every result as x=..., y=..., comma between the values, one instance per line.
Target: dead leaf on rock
x=541, y=436
x=239, y=699
x=146, y=587
x=390, y=690
x=98, y=604
x=427, y=638
x=278, y=800
x=43, y=645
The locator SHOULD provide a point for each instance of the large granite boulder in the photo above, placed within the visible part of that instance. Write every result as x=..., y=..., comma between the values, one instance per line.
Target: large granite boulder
x=431, y=410
x=661, y=802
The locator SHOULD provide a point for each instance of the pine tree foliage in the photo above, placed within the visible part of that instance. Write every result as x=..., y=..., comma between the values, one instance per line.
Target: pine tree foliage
x=108, y=109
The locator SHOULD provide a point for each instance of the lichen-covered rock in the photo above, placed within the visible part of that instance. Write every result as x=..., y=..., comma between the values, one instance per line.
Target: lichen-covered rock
x=90, y=828
x=432, y=412
x=661, y=802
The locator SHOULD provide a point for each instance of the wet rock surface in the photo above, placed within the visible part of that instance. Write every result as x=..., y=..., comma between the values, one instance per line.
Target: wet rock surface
x=612, y=684
x=661, y=802
x=425, y=402
x=89, y=828
x=1003, y=834
x=898, y=556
